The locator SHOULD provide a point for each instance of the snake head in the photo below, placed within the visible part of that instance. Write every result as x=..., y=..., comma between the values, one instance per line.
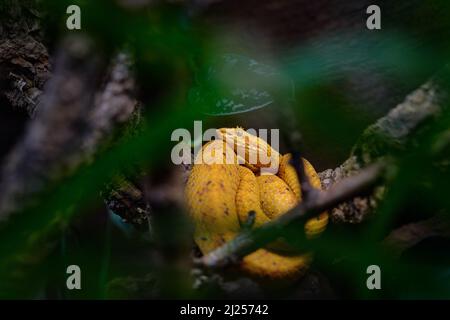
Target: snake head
x=256, y=153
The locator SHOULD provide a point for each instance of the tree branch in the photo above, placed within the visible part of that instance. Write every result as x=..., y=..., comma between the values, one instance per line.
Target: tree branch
x=252, y=240
x=387, y=135
x=52, y=141
x=346, y=182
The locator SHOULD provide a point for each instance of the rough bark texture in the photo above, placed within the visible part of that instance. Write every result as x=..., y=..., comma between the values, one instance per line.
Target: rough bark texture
x=52, y=141
x=389, y=133
x=76, y=118
x=126, y=200
x=72, y=118
x=24, y=59
x=247, y=242
x=115, y=105
x=72, y=121
x=25, y=68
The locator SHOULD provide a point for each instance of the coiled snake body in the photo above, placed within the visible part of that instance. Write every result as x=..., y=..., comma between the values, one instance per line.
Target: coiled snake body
x=221, y=194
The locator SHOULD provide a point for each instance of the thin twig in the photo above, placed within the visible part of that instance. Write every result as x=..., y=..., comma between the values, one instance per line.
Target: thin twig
x=294, y=142
x=252, y=240
x=51, y=143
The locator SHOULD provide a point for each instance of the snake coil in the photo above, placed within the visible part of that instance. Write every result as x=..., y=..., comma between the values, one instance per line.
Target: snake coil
x=221, y=194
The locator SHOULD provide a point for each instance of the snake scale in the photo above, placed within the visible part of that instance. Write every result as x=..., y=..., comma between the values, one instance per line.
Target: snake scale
x=220, y=195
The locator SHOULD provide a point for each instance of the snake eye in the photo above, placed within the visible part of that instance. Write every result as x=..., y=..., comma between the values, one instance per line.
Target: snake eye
x=239, y=133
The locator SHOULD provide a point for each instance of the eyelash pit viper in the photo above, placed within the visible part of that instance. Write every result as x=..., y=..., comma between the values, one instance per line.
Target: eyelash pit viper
x=221, y=194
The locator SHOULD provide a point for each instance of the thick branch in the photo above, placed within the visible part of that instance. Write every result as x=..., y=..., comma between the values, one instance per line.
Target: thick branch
x=348, y=182
x=389, y=134
x=71, y=123
x=52, y=140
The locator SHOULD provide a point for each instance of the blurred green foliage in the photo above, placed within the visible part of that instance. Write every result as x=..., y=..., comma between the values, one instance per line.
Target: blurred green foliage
x=171, y=53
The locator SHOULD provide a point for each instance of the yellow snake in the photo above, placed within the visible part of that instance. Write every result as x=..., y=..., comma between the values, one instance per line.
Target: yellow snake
x=220, y=195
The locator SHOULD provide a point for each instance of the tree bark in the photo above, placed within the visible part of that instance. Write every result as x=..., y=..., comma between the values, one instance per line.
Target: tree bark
x=24, y=58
